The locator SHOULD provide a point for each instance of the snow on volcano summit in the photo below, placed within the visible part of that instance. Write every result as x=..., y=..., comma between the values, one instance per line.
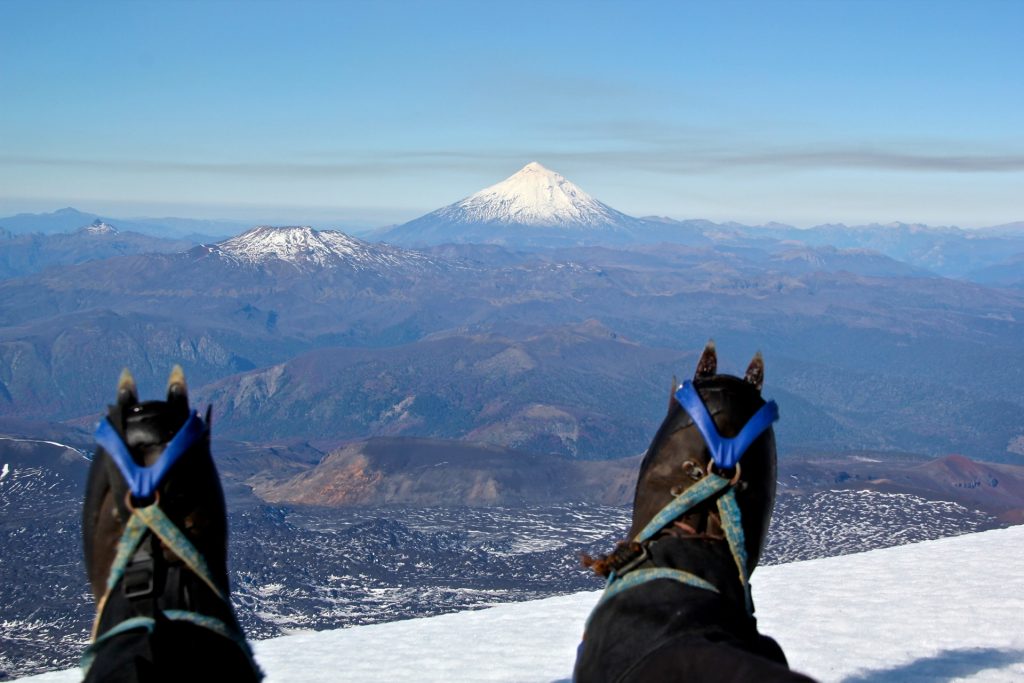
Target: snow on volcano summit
x=304, y=247
x=534, y=195
x=533, y=205
x=98, y=227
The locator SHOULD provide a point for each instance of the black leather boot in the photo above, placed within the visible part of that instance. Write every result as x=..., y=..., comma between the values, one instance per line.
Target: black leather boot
x=677, y=605
x=154, y=530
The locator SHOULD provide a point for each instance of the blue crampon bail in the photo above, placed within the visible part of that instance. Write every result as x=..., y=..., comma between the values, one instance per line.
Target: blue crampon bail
x=144, y=481
x=725, y=452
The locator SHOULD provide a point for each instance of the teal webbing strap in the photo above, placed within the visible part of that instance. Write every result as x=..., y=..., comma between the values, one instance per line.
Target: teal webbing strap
x=728, y=510
x=637, y=577
x=154, y=518
x=207, y=622
x=698, y=493
x=732, y=525
x=127, y=625
x=126, y=547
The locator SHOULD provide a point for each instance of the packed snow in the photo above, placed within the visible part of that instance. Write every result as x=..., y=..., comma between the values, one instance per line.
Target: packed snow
x=950, y=609
x=533, y=196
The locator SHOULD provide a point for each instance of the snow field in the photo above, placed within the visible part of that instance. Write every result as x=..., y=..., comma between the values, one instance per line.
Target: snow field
x=949, y=610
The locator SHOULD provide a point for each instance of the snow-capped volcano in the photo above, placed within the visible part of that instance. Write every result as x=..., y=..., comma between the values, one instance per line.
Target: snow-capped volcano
x=535, y=205
x=536, y=196
x=305, y=248
x=98, y=227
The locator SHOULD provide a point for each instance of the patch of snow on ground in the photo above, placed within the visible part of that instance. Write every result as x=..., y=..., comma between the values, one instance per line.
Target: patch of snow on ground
x=52, y=443
x=98, y=227
x=950, y=609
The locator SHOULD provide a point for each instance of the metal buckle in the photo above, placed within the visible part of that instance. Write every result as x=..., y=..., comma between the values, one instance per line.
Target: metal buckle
x=139, y=576
x=735, y=477
x=635, y=562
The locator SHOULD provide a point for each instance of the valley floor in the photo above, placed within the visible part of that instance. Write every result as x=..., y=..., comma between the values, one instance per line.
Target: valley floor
x=948, y=609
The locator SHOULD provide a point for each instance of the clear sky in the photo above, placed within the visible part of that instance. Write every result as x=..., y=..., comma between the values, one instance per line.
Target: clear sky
x=371, y=113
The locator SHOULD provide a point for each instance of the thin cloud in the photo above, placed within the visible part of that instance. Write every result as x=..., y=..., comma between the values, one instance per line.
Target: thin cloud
x=237, y=168
x=880, y=160
x=674, y=160
x=689, y=162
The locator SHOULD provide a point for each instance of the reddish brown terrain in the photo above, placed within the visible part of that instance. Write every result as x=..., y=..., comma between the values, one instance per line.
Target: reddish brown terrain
x=409, y=471
x=430, y=472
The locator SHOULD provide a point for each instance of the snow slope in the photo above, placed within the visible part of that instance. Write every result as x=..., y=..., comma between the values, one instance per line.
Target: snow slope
x=951, y=609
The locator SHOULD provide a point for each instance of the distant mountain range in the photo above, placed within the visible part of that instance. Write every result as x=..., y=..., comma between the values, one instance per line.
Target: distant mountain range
x=69, y=220
x=537, y=207
x=298, y=333
x=23, y=254
x=559, y=345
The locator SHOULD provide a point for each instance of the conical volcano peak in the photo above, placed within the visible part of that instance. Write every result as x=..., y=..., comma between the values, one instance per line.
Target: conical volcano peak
x=98, y=227
x=534, y=196
x=535, y=175
x=534, y=206
x=536, y=167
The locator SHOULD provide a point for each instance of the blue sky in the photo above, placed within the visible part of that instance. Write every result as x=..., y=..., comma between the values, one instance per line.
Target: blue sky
x=372, y=113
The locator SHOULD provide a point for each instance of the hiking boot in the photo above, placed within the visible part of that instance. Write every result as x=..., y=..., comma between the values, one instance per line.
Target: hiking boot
x=154, y=530
x=692, y=469
x=677, y=602
x=679, y=457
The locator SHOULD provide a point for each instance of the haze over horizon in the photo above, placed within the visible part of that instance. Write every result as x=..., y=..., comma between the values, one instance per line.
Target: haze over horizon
x=365, y=115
